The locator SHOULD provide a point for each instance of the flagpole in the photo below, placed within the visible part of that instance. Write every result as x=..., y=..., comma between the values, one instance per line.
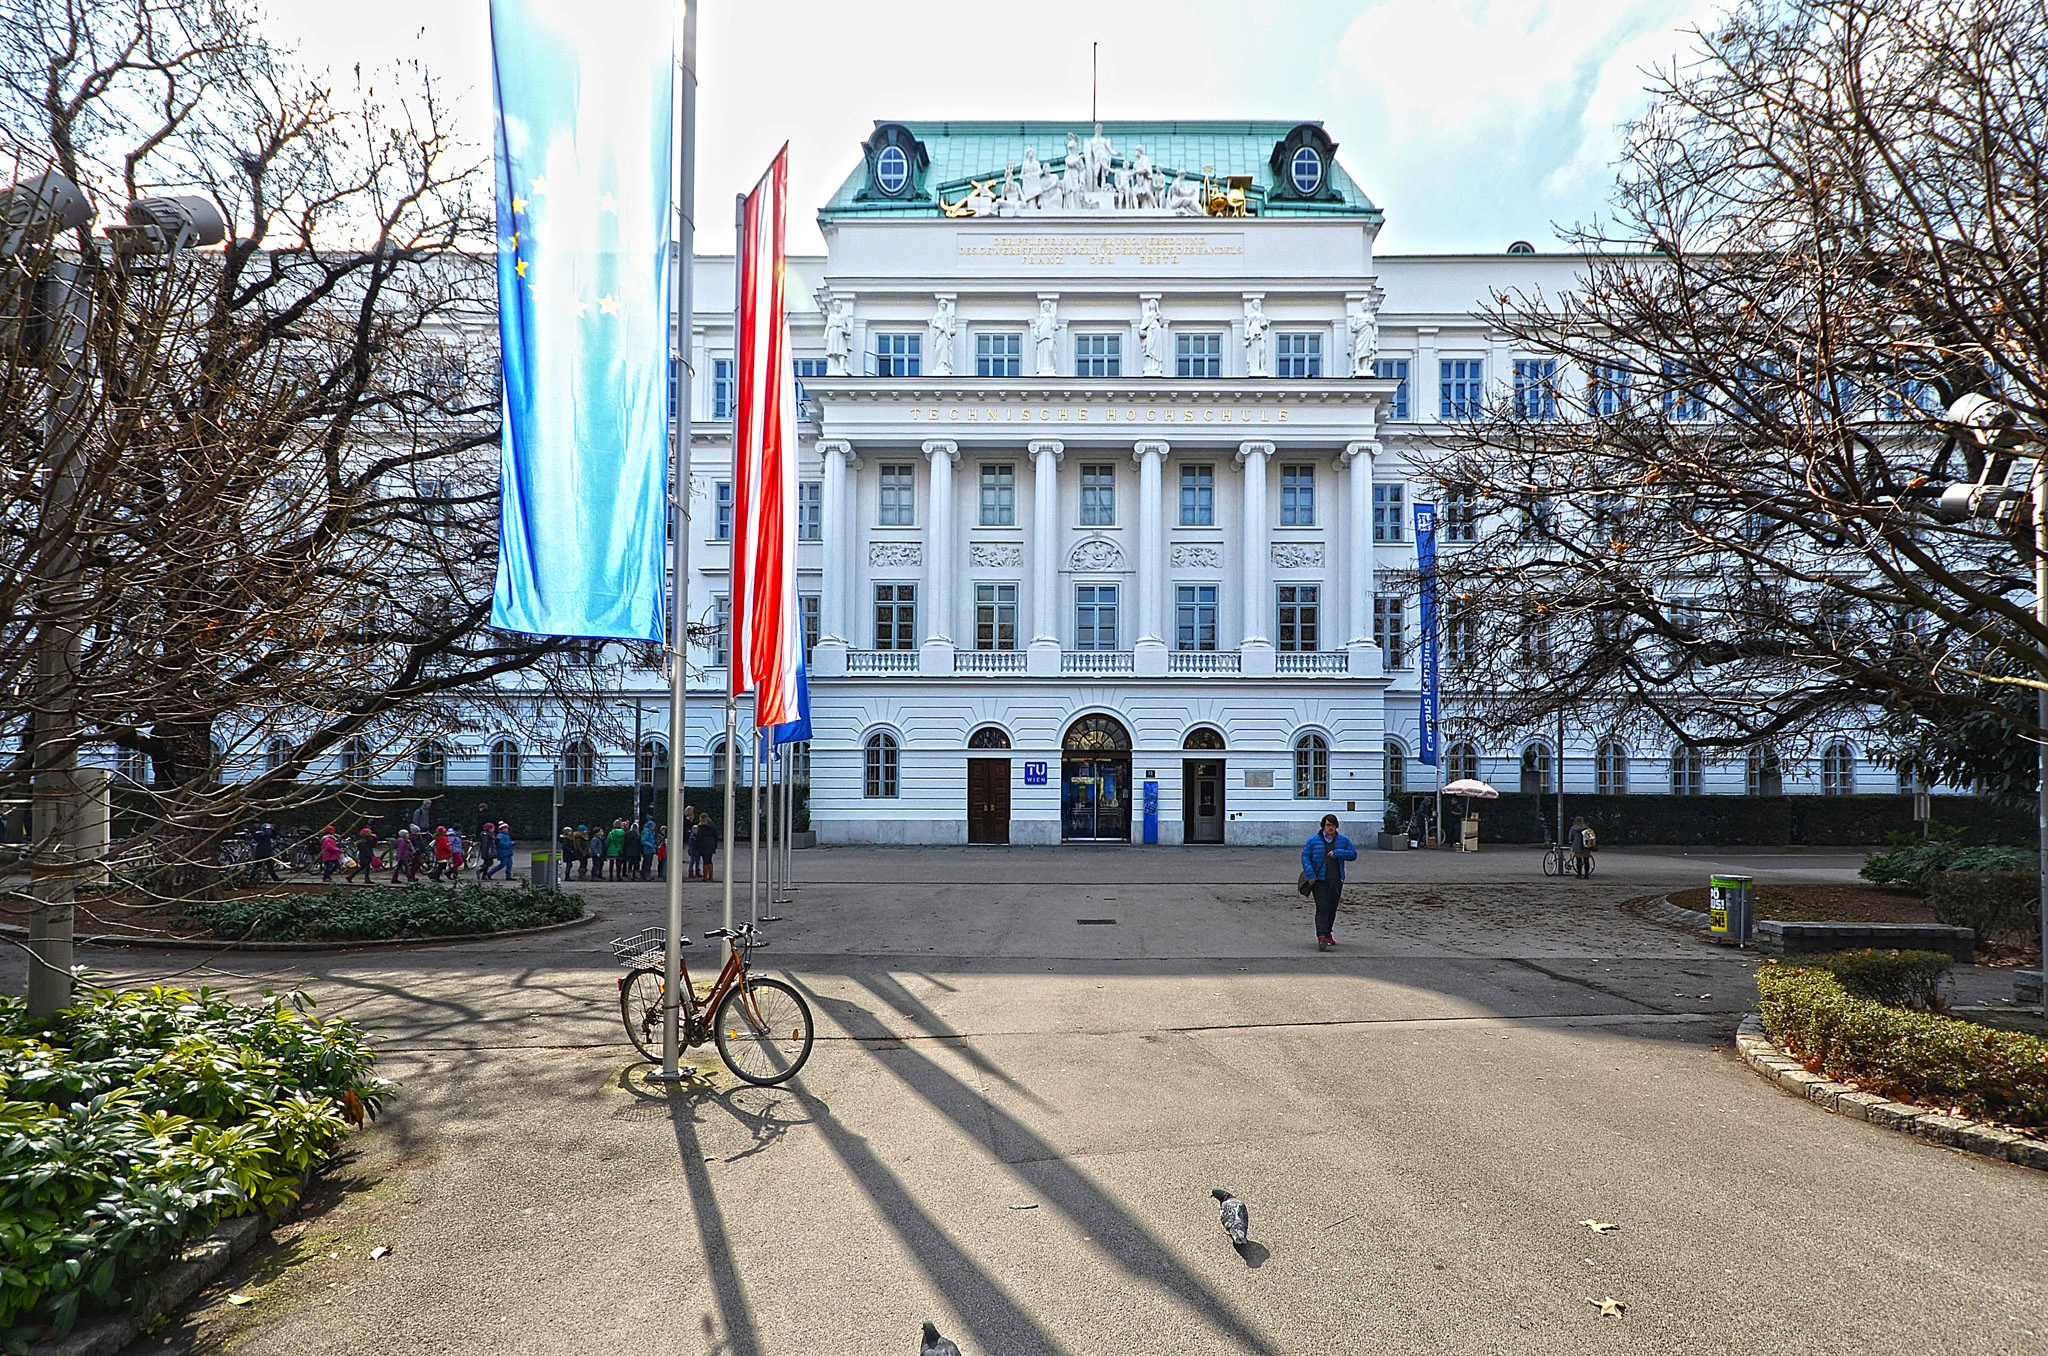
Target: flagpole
x=776, y=830
x=679, y=546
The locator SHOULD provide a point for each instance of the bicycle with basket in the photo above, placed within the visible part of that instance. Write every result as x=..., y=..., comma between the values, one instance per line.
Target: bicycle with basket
x=761, y=1027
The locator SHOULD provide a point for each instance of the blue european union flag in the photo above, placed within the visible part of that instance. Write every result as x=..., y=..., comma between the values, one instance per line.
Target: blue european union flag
x=585, y=168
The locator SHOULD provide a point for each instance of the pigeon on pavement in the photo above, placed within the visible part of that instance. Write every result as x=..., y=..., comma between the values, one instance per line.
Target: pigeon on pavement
x=935, y=1345
x=1237, y=1217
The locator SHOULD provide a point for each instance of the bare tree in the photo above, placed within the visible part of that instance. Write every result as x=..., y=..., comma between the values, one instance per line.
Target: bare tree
x=1705, y=508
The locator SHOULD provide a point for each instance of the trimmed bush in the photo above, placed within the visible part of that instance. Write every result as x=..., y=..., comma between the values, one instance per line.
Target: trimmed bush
x=1914, y=863
x=1735, y=821
x=1899, y=979
x=416, y=910
x=2001, y=906
x=1913, y=1056
x=135, y=1121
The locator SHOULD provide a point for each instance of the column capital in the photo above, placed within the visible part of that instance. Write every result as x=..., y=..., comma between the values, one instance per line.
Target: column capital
x=942, y=447
x=1150, y=447
x=1043, y=446
x=1255, y=448
x=1368, y=448
x=837, y=447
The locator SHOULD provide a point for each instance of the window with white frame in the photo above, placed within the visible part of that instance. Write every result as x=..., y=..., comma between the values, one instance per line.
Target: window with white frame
x=1688, y=771
x=1608, y=388
x=1536, y=388
x=504, y=762
x=430, y=764
x=1095, y=619
x=1298, y=355
x=1311, y=768
x=1394, y=769
x=995, y=616
x=1098, y=355
x=898, y=495
x=1458, y=518
x=721, y=631
x=1389, y=629
x=1461, y=760
x=1394, y=369
x=999, y=354
x=724, y=388
x=650, y=761
x=1198, y=355
x=899, y=354
x=1461, y=388
x=1198, y=496
x=579, y=763
x=807, y=367
x=1682, y=402
x=721, y=511
x=879, y=767
x=1389, y=518
x=1194, y=617
x=1610, y=768
x=998, y=494
x=1763, y=774
x=1300, y=609
x=1461, y=638
x=1536, y=769
x=276, y=750
x=1838, y=770
x=810, y=607
x=810, y=510
x=895, y=616
x=1298, y=495
x=1098, y=494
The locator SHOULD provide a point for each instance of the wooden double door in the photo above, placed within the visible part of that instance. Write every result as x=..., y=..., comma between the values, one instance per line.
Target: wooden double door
x=988, y=800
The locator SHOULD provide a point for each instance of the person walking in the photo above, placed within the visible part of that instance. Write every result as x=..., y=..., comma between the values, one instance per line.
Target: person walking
x=1582, y=843
x=1322, y=861
x=458, y=852
x=579, y=848
x=614, y=848
x=266, y=849
x=703, y=845
x=629, y=851
x=501, y=850
x=440, y=866
x=366, y=848
x=330, y=853
x=650, y=839
x=661, y=854
x=486, y=846
x=404, y=858
x=689, y=832
x=423, y=817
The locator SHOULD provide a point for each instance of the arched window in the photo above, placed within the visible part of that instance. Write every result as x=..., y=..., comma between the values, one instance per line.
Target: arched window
x=132, y=765
x=799, y=755
x=504, y=762
x=1536, y=770
x=355, y=758
x=1311, y=768
x=1396, y=770
x=1761, y=774
x=1203, y=737
x=880, y=760
x=650, y=762
x=1461, y=760
x=1688, y=772
x=989, y=737
x=743, y=762
x=1838, y=770
x=1097, y=734
x=1610, y=768
x=579, y=763
x=276, y=750
x=1908, y=780
x=430, y=763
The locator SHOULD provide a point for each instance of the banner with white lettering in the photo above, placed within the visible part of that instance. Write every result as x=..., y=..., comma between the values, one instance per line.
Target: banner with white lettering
x=1425, y=567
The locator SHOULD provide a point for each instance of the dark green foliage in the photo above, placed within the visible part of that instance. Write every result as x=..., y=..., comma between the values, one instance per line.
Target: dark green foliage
x=2000, y=906
x=1915, y=1056
x=1899, y=979
x=1914, y=863
x=135, y=1121
x=1735, y=821
x=420, y=909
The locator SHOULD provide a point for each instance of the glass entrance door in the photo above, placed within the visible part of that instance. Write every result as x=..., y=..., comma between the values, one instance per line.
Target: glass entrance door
x=1095, y=800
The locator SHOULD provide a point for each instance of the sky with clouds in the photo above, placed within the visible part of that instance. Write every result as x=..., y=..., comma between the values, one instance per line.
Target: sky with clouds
x=1473, y=123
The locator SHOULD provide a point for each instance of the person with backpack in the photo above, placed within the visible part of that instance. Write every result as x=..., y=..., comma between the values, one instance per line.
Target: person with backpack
x=1322, y=869
x=265, y=845
x=330, y=853
x=501, y=850
x=404, y=857
x=439, y=869
x=650, y=839
x=1583, y=843
x=366, y=848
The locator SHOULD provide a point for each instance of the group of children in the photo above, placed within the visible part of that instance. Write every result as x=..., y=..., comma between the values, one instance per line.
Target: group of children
x=443, y=855
x=631, y=849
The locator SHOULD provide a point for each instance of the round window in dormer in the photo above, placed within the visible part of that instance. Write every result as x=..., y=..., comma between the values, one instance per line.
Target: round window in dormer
x=1306, y=170
x=892, y=170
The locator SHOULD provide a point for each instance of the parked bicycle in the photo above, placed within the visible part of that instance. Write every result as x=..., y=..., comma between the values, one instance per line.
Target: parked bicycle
x=1557, y=861
x=762, y=1027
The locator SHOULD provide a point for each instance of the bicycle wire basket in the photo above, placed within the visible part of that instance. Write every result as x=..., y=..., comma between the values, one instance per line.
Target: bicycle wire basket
x=641, y=950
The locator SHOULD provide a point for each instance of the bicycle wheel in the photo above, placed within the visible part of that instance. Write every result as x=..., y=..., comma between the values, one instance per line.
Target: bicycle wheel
x=1552, y=865
x=764, y=1033
x=640, y=1007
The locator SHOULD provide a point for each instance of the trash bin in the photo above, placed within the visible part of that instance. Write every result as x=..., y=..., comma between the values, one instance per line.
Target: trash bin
x=543, y=870
x=1730, y=912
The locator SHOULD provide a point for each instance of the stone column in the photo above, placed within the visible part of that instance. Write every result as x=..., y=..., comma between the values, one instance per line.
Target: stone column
x=1255, y=646
x=936, y=607
x=1044, y=658
x=1425, y=382
x=1148, y=656
x=837, y=575
x=1365, y=659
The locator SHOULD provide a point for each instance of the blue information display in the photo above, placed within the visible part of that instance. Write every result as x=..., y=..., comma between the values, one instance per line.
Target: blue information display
x=1034, y=774
x=1151, y=811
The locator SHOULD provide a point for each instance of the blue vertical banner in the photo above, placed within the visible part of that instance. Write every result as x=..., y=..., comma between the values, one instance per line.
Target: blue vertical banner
x=799, y=730
x=585, y=175
x=1425, y=568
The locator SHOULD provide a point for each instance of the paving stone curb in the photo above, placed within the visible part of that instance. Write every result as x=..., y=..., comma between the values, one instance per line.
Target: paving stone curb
x=199, y=1265
x=1664, y=911
x=382, y=944
x=1760, y=1053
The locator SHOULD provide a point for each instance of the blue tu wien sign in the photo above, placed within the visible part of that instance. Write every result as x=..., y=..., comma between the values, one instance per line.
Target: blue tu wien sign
x=1425, y=568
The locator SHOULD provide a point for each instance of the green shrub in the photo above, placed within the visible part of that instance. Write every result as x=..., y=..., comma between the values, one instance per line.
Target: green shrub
x=420, y=909
x=2003, y=906
x=1899, y=979
x=1915, y=1056
x=1914, y=863
x=134, y=1121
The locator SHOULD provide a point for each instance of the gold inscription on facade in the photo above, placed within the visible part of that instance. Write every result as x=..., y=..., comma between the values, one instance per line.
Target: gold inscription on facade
x=1165, y=250
x=1100, y=414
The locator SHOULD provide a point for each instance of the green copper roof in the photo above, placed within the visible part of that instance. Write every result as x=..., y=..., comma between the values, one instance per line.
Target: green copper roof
x=961, y=151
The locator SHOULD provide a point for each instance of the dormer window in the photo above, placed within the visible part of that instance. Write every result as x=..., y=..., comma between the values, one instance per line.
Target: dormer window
x=1301, y=166
x=1306, y=171
x=892, y=170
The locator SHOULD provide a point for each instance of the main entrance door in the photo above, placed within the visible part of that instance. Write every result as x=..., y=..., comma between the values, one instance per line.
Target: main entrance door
x=1202, y=796
x=988, y=800
x=1095, y=781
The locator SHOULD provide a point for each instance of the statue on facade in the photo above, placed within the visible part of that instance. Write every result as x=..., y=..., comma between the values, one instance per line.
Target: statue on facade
x=1045, y=336
x=1255, y=327
x=1073, y=184
x=1011, y=203
x=1147, y=184
x=1100, y=157
x=838, y=335
x=1364, y=323
x=1184, y=198
x=945, y=326
x=1034, y=183
x=1152, y=339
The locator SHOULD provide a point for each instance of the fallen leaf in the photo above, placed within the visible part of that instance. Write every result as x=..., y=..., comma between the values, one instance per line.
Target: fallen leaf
x=1608, y=1306
x=379, y=1253
x=1706, y=995
x=1599, y=1227
x=239, y=1300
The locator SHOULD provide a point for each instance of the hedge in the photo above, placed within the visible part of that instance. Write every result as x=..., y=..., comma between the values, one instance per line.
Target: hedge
x=1999, y=906
x=415, y=910
x=1736, y=821
x=1914, y=862
x=1912, y=1056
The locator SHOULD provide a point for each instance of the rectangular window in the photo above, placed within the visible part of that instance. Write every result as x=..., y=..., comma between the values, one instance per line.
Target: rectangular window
x=1461, y=388
x=1298, y=355
x=724, y=388
x=1299, y=609
x=1098, y=355
x=998, y=495
x=1198, y=355
x=995, y=616
x=1195, y=617
x=1095, y=616
x=1388, y=504
x=999, y=355
x=810, y=510
x=1394, y=369
x=1536, y=388
x=1607, y=390
x=1098, y=495
x=1681, y=402
x=895, y=616
x=721, y=511
x=1461, y=639
x=721, y=640
x=899, y=495
x=899, y=355
x=1389, y=629
x=807, y=367
x=1298, y=496
x=810, y=606
x=1459, y=519
x=1198, y=496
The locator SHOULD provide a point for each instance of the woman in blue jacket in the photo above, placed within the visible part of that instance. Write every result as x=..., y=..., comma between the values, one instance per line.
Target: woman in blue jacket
x=1322, y=859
